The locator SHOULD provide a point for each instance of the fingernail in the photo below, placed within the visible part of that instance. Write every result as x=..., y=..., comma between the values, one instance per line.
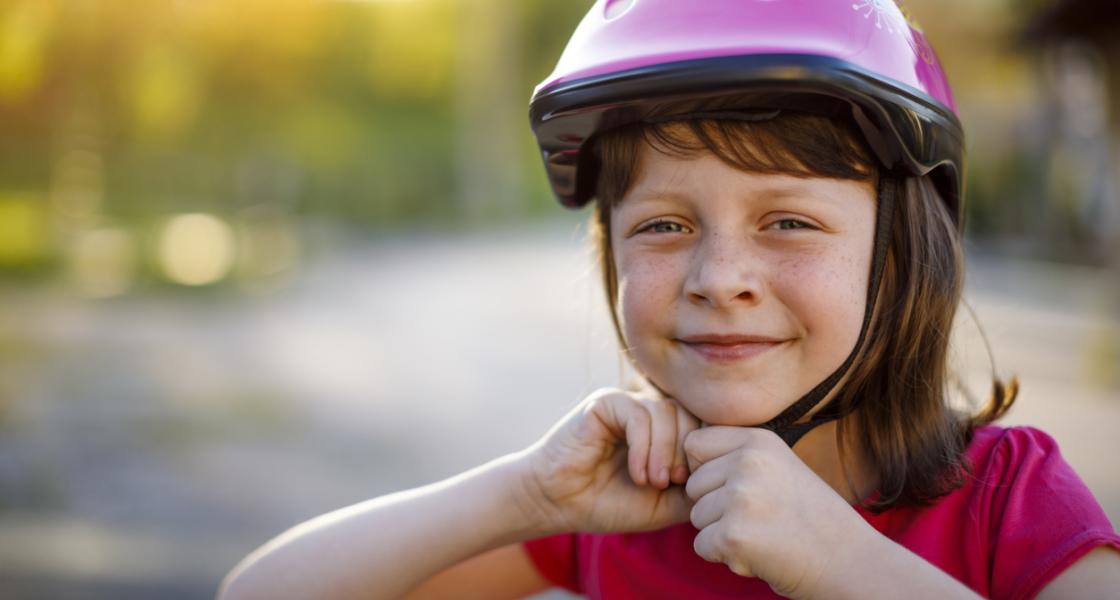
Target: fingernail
x=663, y=475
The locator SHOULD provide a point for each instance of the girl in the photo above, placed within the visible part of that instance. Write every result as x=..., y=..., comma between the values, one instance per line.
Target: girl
x=777, y=192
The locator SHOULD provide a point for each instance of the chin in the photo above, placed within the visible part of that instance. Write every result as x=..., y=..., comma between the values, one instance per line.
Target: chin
x=734, y=409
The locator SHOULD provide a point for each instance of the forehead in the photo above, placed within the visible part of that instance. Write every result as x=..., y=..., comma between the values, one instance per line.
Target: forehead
x=661, y=177
x=796, y=144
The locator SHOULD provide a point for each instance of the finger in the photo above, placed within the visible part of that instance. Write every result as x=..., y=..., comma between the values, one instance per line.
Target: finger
x=636, y=422
x=710, y=476
x=686, y=423
x=707, y=443
x=706, y=545
x=709, y=544
x=623, y=419
x=663, y=429
x=708, y=509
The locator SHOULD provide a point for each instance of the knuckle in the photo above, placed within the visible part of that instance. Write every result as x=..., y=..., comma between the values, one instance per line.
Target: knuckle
x=667, y=408
x=734, y=540
x=751, y=460
x=690, y=488
x=642, y=417
x=703, y=547
x=725, y=540
x=691, y=445
x=595, y=403
x=743, y=496
x=603, y=394
x=655, y=407
x=740, y=569
x=688, y=422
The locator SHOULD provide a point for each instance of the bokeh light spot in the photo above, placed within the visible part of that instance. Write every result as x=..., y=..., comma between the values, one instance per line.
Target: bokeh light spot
x=196, y=249
x=103, y=262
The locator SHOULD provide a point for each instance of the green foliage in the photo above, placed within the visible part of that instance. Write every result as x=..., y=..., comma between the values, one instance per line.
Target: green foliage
x=336, y=110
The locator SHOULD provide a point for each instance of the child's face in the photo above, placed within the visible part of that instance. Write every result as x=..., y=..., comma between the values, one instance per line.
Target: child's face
x=740, y=253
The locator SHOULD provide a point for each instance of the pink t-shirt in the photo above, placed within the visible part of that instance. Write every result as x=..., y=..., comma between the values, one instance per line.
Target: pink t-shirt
x=1021, y=518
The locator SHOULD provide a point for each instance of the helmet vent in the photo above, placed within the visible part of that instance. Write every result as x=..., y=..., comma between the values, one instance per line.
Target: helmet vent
x=616, y=8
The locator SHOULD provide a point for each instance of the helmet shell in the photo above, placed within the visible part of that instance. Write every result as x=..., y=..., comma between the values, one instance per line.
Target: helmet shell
x=864, y=58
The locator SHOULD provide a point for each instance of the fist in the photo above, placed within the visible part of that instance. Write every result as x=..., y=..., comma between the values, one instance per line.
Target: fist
x=610, y=464
x=761, y=511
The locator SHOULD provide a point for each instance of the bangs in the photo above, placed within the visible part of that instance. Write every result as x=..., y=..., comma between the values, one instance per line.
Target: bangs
x=791, y=143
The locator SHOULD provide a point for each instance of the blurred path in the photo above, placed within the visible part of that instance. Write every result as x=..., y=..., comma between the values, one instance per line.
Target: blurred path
x=148, y=443
x=1054, y=327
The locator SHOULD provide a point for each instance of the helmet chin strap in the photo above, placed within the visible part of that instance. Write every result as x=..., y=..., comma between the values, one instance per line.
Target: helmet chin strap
x=785, y=424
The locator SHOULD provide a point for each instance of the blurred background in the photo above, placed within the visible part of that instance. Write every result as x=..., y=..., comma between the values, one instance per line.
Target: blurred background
x=261, y=259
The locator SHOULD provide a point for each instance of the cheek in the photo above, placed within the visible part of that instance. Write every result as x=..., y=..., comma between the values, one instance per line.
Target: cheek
x=646, y=289
x=828, y=293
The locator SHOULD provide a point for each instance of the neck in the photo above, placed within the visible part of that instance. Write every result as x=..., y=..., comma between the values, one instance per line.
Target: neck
x=852, y=478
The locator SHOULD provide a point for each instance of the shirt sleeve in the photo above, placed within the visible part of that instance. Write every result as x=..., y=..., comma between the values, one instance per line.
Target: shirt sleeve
x=556, y=559
x=1044, y=518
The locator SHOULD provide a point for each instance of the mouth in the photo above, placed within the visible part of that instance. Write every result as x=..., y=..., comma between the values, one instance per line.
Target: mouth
x=731, y=352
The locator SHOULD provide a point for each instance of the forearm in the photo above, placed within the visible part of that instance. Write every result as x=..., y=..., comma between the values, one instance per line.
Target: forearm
x=384, y=547
x=882, y=568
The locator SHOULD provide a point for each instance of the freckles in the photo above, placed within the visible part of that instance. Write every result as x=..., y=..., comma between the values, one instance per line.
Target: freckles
x=833, y=276
x=852, y=275
x=647, y=273
x=649, y=287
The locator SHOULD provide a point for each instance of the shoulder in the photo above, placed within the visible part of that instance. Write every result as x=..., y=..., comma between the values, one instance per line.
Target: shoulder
x=1003, y=454
x=1037, y=515
x=1010, y=441
x=1018, y=473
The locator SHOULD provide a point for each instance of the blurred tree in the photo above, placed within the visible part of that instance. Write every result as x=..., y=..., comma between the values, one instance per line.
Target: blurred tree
x=367, y=114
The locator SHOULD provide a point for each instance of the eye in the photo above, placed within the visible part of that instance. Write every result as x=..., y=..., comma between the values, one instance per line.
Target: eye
x=663, y=226
x=786, y=224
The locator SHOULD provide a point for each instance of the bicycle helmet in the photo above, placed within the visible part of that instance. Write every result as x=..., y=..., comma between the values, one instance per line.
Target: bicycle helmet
x=862, y=60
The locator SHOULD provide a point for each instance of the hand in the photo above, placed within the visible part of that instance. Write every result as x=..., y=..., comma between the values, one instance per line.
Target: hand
x=610, y=465
x=764, y=513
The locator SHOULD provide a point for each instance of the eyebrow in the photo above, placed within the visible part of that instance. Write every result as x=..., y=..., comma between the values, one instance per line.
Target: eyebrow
x=773, y=191
x=652, y=195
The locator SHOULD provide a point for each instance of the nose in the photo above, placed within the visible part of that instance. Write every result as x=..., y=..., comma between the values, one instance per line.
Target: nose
x=725, y=270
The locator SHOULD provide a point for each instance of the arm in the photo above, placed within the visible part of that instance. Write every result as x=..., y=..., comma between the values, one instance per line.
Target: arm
x=503, y=574
x=384, y=547
x=596, y=470
x=1095, y=575
x=885, y=569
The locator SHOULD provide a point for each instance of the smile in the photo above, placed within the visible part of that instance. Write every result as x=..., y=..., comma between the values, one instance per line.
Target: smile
x=729, y=353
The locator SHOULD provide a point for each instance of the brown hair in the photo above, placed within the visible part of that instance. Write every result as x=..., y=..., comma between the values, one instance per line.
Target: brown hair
x=912, y=438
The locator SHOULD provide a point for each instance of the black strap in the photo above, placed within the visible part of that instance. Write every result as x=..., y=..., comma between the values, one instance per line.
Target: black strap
x=785, y=424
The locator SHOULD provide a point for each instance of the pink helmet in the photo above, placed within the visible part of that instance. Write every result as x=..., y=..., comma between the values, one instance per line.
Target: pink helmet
x=862, y=59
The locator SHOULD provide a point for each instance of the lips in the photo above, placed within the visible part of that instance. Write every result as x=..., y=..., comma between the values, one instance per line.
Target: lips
x=729, y=338
x=726, y=348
